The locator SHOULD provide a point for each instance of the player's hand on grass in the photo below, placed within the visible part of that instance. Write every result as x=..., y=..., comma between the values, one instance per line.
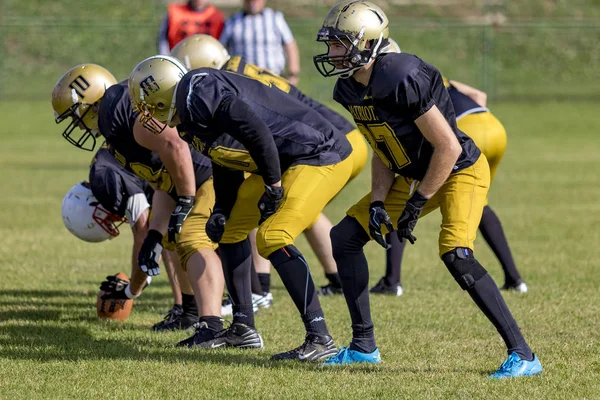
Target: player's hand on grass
x=115, y=288
x=377, y=217
x=269, y=202
x=184, y=207
x=149, y=254
x=409, y=217
x=215, y=226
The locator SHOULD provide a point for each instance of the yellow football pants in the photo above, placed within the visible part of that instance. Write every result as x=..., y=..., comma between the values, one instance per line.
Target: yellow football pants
x=488, y=134
x=307, y=190
x=193, y=235
x=461, y=200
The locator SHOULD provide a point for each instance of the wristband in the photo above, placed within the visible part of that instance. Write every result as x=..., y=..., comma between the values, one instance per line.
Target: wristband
x=377, y=203
x=128, y=292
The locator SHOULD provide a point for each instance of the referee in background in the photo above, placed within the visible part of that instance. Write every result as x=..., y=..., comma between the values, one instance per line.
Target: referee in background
x=259, y=34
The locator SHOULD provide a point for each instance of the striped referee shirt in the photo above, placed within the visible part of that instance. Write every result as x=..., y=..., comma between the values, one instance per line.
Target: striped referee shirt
x=258, y=38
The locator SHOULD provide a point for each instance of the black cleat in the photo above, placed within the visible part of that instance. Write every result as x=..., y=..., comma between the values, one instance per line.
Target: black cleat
x=176, y=319
x=204, y=337
x=314, y=348
x=243, y=337
x=329, y=290
x=383, y=287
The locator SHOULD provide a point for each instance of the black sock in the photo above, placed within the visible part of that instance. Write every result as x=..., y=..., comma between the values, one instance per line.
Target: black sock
x=492, y=232
x=334, y=280
x=237, y=264
x=265, y=281
x=214, y=323
x=348, y=239
x=293, y=271
x=189, y=304
x=243, y=314
x=255, y=282
x=486, y=295
x=393, y=260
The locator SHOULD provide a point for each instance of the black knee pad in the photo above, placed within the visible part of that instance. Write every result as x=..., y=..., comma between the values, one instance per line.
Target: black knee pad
x=348, y=237
x=465, y=269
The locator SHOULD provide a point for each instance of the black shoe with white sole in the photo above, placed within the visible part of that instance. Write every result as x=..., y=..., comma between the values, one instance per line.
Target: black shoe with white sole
x=204, y=337
x=176, y=319
x=243, y=337
x=314, y=348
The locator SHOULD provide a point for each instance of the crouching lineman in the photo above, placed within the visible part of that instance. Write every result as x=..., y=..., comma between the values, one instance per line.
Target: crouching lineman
x=488, y=133
x=400, y=104
x=183, y=185
x=204, y=51
x=112, y=195
x=298, y=159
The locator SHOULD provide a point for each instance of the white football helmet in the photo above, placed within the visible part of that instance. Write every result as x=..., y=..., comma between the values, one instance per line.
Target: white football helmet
x=85, y=218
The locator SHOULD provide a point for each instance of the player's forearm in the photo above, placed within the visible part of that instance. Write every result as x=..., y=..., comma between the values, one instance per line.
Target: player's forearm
x=162, y=207
x=441, y=165
x=226, y=183
x=138, y=278
x=293, y=62
x=382, y=179
x=478, y=96
x=177, y=158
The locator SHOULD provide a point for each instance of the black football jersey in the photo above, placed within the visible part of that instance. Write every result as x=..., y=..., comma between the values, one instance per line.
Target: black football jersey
x=301, y=135
x=113, y=185
x=116, y=120
x=401, y=89
x=463, y=104
x=239, y=65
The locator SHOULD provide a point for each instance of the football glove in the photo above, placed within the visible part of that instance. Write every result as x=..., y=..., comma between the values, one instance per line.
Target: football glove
x=182, y=210
x=215, y=226
x=115, y=288
x=269, y=202
x=150, y=253
x=378, y=216
x=409, y=217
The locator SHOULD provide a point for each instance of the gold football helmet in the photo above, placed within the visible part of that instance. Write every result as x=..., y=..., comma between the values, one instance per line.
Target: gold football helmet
x=201, y=51
x=152, y=88
x=75, y=95
x=361, y=27
x=392, y=46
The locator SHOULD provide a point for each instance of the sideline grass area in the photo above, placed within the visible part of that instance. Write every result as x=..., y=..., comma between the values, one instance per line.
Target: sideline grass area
x=434, y=342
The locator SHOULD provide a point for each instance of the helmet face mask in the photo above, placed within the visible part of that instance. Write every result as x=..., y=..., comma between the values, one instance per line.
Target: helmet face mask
x=152, y=88
x=361, y=28
x=76, y=96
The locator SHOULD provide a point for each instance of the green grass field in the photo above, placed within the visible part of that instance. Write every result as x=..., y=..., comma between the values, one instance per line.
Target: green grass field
x=434, y=341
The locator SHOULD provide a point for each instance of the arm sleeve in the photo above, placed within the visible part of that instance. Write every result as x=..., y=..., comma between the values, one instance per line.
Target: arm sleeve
x=241, y=122
x=226, y=183
x=163, y=42
x=212, y=104
x=284, y=29
x=414, y=93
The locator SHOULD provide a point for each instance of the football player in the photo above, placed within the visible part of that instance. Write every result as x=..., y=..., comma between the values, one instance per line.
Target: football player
x=201, y=51
x=474, y=119
x=112, y=195
x=183, y=192
x=422, y=162
x=298, y=161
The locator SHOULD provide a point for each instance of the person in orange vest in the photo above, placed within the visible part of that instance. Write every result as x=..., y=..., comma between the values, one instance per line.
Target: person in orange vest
x=187, y=19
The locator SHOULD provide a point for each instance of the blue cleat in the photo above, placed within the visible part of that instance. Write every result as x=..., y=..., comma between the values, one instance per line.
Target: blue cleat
x=514, y=367
x=346, y=356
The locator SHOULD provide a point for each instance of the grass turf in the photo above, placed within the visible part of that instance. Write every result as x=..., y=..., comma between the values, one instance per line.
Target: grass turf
x=434, y=341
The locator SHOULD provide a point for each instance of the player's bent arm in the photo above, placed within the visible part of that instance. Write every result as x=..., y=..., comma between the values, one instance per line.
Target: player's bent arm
x=478, y=96
x=382, y=179
x=174, y=152
x=292, y=55
x=139, y=229
x=241, y=122
x=446, y=150
x=226, y=183
x=162, y=207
